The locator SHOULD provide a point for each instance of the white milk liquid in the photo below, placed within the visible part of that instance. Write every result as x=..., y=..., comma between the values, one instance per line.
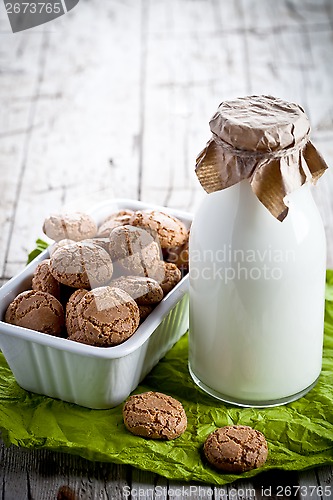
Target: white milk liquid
x=256, y=297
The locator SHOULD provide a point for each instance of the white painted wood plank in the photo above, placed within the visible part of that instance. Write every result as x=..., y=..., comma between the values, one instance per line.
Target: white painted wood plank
x=257, y=15
x=185, y=82
x=293, y=65
x=19, y=61
x=322, y=194
x=88, y=107
x=269, y=14
x=193, y=18
x=275, y=65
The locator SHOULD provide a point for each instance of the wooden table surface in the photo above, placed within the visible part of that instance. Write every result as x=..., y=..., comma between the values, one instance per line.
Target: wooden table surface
x=113, y=100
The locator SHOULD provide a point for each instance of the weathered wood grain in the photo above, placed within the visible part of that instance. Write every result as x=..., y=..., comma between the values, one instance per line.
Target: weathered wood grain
x=40, y=474
x=86, y=145
x=145, y=484
x=19, y=62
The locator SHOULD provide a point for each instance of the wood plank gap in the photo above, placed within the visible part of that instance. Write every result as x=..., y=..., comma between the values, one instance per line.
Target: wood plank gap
x=325, y=479
x=318, y=481
x=262, y=30
x=21, y=131
x=170, y=186
x=31, y=117
x=142, y=96
x=306, y=51
x=30, y=497
x=329, y=10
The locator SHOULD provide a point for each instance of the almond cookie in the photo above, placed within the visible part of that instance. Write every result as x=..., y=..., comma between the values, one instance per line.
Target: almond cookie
x=179, y=256
x=143, y=290
x=114, y=220
x=43, y=280
x=144, y=312
x=154, y=415
x=172, y=276
x=76, y=226
x=134, y=251
x=72, y=324
x=170, y=230
x=107, y=316
x=38, y=311
x=81, y=265
x=58, y=244
x=236, y=448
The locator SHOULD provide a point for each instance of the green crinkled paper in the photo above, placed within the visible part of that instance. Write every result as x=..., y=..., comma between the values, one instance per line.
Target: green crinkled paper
x=300, y=434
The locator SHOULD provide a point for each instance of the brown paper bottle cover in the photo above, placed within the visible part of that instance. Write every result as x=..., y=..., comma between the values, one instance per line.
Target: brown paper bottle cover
x=265, y=140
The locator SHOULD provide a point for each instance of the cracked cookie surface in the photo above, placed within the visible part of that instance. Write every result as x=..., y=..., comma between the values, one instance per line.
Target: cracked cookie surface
x=75, y=226
x=170, y=230
x=43, y=280
x=38, y=311
x=114, y=220
x=72, y=324
x=145, y=291
x=107, y=317
x=154, y=415
x=134, y=251
x=236, y=448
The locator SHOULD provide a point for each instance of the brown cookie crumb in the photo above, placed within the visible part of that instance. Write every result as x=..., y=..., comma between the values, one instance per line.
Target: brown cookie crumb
x=154, y=415
x=107, y=317
x=236, y=448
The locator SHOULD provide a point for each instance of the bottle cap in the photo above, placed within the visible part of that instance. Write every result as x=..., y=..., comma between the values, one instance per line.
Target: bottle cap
x=265, y=140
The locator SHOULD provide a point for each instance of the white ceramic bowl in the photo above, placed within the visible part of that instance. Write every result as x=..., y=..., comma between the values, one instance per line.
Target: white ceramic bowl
x=95, y=377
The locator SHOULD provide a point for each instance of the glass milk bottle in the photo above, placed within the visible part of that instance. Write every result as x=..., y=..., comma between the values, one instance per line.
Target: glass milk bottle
x=257, y=257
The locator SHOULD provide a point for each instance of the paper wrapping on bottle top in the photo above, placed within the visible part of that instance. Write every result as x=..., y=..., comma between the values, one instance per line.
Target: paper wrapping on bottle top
x=262, y=139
